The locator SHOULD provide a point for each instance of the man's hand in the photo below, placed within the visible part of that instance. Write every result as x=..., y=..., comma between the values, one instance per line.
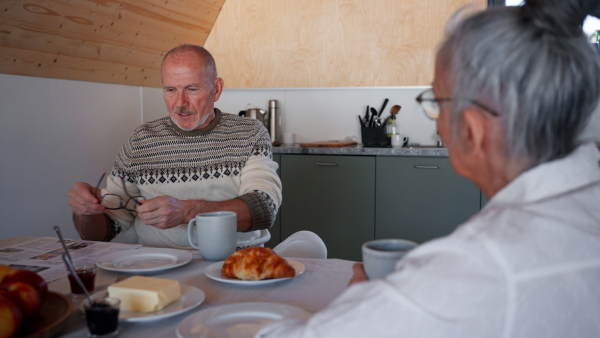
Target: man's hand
x=85, y=199
x=162, y=212
x=359, y=274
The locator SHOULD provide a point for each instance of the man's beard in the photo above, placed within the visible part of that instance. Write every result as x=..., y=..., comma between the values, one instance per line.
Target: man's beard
x=188, y=111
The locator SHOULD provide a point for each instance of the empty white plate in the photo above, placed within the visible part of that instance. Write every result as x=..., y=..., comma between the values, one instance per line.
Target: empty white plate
x=144, y=260
x=238, y=320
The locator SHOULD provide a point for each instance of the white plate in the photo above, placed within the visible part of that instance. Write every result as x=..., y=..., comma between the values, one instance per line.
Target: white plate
x=144, y=260
x=213, y=271
x=239, y=320
x=190, y=298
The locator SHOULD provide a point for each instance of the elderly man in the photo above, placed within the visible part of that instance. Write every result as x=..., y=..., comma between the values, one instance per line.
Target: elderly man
x=513, y=92
x=193, y=161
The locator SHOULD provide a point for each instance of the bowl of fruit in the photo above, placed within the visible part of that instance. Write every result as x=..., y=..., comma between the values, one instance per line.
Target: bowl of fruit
x=27, y=308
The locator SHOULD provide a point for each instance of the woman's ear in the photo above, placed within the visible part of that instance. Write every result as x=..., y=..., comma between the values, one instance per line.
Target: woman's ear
x=475, y=126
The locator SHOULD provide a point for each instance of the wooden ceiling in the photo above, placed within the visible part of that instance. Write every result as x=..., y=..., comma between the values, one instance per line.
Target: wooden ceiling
x=108, y=41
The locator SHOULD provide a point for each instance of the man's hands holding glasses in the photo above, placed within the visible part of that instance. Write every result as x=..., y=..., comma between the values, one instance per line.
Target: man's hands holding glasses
x=161, y=212
x=87, y=200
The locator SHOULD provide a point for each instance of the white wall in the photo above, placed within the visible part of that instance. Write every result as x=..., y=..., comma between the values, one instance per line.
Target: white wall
x=54, y=133
x=321, y=114
x=57, y=132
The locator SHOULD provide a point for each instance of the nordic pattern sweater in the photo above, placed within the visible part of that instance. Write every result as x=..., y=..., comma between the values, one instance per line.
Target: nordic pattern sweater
x=230, y=158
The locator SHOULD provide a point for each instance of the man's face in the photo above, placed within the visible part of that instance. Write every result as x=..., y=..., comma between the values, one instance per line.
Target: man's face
x=188, y=95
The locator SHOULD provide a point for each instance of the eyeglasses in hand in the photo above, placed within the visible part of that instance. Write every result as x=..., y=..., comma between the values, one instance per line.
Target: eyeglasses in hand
x=116, y=202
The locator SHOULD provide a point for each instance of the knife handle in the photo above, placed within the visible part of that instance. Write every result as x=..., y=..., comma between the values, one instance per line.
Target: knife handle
x=385, y=102
x=362, y=124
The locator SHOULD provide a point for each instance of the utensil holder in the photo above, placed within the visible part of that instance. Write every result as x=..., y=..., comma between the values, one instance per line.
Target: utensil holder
x=374, y=137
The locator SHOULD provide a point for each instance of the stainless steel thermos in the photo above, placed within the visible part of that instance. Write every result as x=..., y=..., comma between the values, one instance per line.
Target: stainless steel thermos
x=274, y=127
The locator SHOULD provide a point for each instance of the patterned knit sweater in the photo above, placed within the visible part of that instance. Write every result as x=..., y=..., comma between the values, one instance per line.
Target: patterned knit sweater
x=231, y=157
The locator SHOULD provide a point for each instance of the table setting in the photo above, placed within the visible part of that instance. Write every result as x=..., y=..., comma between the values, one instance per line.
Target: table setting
x=210, y=303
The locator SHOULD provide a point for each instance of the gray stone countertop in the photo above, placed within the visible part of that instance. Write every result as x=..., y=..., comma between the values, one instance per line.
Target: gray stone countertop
x=420, y=151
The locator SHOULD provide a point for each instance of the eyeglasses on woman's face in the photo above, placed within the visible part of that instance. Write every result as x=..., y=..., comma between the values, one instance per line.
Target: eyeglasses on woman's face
x=430, y=105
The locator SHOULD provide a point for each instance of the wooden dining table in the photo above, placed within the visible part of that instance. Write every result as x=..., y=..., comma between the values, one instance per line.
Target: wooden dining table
x=321, y=282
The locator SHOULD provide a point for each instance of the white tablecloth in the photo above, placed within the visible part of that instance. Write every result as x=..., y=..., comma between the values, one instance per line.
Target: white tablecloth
x=321, y=282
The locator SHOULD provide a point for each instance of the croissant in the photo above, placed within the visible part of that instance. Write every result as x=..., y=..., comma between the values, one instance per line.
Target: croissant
x=256, y=264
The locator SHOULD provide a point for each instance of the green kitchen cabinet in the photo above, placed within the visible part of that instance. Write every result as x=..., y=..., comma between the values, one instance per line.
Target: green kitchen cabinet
x=275, y=230
x=421, y=198
x=332, y=196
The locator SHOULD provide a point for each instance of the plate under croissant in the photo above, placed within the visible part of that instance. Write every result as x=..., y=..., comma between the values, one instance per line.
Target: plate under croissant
x=213, y=271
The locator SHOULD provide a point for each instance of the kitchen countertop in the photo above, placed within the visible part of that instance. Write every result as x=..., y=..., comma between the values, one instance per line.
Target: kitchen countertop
x=418, y=151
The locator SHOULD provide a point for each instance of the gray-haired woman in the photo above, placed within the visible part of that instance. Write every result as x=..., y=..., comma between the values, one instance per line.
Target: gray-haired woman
x=514, y=96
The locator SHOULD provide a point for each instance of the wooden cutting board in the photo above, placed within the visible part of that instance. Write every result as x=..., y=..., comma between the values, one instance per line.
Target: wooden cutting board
x=328, y=144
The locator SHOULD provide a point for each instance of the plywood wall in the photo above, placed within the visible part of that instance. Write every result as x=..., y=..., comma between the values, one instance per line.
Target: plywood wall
x=107, y=41
x=329, y=43
x=257, y=43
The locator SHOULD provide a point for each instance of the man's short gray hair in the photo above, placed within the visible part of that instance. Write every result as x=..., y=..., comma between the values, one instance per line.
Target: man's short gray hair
x=210, y=67
x=534, y=66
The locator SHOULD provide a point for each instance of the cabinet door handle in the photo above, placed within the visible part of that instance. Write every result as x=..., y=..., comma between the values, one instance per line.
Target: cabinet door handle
x=326, y=164
x=427, y=166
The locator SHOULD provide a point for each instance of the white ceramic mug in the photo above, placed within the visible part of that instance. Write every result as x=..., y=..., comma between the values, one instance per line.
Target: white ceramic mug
x=214, y=234
x=289, y=138
x=399, y=140
x=380, y=255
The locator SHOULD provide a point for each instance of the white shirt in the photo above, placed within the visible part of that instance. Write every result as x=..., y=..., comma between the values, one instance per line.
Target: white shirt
x=527, y=265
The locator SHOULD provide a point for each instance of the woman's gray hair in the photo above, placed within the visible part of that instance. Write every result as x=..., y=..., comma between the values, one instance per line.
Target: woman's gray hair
x=210, y=67
x=534, y=66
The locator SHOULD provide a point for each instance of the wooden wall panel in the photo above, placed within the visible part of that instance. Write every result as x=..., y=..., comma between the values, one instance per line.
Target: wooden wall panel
x=329, y=43
x=99, y=40
x=257, y=43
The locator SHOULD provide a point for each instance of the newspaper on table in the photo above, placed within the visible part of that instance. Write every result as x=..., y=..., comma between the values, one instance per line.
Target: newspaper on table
x=44, y=254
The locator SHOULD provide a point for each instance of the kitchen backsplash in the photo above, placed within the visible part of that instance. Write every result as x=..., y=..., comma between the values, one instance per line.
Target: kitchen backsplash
x=320, y=114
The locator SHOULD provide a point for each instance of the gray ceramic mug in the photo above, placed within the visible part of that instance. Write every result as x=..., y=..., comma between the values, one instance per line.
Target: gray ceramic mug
x=214, y=234
x=380, y=256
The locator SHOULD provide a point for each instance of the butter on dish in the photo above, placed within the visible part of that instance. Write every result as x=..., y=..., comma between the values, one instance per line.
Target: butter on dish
x=145, y=294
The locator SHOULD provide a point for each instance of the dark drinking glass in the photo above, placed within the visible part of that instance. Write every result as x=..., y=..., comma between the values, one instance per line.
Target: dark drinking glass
x=102, y=317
